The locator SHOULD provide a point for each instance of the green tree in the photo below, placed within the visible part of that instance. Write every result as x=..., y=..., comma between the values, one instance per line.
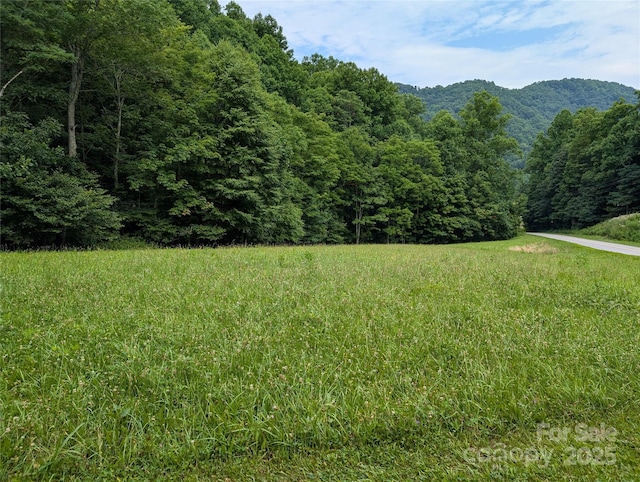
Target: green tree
x=249, y=178
x=617, y=151
x=310, y=148
x=361, y=187
x=545, y=167
x=84, y=28
x=490, y=179
x=125, y=65
x=585, y=169
x=48, y=199
x=412, y=172
x=197, y=14
x=31, y=57
x=575, y=202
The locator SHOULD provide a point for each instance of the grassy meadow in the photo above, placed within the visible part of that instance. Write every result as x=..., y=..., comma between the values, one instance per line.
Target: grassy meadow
x=515, y=360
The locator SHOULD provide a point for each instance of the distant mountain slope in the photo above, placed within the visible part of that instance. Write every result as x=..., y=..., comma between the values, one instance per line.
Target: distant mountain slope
x=533, y=107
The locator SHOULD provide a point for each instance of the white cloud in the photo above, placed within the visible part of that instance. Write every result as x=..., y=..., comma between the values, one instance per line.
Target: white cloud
x=431, y=42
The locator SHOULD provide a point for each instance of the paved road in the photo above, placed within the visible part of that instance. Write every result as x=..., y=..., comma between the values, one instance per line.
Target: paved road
x=602, y=245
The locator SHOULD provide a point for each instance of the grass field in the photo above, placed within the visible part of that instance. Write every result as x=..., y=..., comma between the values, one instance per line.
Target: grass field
x=517, y=360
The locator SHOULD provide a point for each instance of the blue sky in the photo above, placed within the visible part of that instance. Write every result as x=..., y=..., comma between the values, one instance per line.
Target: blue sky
x=440, y=42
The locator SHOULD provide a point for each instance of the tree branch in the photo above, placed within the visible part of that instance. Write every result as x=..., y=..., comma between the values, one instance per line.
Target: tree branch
x=7, y=84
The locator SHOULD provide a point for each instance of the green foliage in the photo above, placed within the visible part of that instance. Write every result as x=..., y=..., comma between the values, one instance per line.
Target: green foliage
x=585, y=169
x=532, y=108
x=48, y=199
x=206, y=130
x=33, y=48
x=623, y=228
x=483, y=203
x=411, y=171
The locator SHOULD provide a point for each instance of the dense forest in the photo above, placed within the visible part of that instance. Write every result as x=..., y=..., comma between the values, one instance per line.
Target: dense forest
x=532, y=108
x=585, y=168
x=179, y=123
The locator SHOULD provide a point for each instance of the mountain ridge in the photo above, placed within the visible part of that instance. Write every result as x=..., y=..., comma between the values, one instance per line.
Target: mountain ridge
x=532, y=107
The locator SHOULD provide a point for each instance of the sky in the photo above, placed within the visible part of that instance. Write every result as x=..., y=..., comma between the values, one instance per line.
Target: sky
x=440, y=42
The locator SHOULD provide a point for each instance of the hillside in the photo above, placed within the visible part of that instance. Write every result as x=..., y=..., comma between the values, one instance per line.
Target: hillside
x=533, y=107
x=621, y=228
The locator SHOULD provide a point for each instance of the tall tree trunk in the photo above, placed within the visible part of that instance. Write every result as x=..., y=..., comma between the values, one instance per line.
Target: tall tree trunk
x=359, y=212
x=116, y=161
x=118, y=73
x=77, y=69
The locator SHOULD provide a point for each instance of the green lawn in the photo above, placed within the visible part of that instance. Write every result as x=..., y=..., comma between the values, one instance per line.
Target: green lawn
x=388, y=362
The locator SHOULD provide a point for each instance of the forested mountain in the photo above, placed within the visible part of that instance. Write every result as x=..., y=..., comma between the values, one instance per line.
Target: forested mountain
x=179, y=123
x=532, y=108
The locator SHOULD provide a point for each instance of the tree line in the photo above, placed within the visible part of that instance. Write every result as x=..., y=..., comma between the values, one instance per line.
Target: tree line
x=585, y=168
x=179, y=123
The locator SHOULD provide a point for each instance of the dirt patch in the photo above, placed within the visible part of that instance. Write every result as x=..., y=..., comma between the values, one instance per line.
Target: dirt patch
x=536, y=248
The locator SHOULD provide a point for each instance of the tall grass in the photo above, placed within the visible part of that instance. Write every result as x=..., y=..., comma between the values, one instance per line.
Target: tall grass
x=387, y=362
x=623, y=228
